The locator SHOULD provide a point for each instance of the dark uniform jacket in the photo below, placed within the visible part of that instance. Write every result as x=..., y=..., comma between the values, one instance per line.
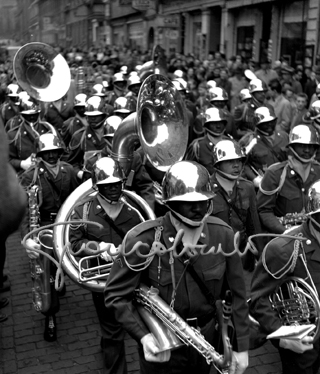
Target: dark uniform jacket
x=13, y=122
x=189, y=301
x=8, y=111
x=263, y=154
x=69, y=127
x=22, y=142
x=52, y=191
x=278, y=253
x=244, y=115
x=238, y=210
x=56, y=118
x=292, y=197
x=201, y=150
x=93, y=211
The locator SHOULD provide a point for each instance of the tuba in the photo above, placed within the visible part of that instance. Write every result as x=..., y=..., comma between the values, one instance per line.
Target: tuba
x=161, y=127
x=158, y=64
x=42, y=72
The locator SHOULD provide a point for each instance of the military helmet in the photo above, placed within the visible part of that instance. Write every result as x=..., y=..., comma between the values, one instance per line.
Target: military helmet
x=111, y=124
x=106, y=170
x=218, y=94
x=226, y=150
x=313, y=203
x=28, y=105
x=134, y=80
x=180, y=84
x=124, y=70
x=178, y=74
x=314, y=110
x=304, y=134
x=211, y=84
x=215, y=115
x=257, y=85
x=13, y=90
x=244, y=94
x=263, y=115
x=95, y=106
x=99, y=90
x=124, y=105
x=49, y=142
x=186, y=181
x=119, y=77
x=80, y=100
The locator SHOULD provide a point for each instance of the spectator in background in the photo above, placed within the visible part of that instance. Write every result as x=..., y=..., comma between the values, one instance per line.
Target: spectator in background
x=265, y=72
x=223, y=81
x=281, y=105
x=300, y=112
x=238, y=82
x=287, y=73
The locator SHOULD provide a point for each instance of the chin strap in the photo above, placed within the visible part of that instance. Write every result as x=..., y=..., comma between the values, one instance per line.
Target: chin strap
x=303, y=160
x=188, y=221
x=215, y=133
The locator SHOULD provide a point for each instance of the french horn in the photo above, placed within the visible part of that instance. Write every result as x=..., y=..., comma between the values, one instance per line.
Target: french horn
x=41, y=71
x=161, y=127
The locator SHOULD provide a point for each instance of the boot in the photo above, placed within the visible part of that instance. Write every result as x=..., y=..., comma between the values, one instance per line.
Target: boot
x=50, y=331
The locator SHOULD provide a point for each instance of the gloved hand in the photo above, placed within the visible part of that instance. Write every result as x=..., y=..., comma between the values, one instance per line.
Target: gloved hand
x=31, y=243
x=25, y=164
x=239, y=363
x=257, y=180
x=298, y=346
x=80, y=174
x=151, y=350
x=111, y=249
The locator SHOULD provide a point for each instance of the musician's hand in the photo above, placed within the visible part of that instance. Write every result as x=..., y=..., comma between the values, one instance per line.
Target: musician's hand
x=32, y=244
x=25, y=164
x=239, y=363
x=151, y=350
x=298, y=346
x=111, y=249
x=257, y=180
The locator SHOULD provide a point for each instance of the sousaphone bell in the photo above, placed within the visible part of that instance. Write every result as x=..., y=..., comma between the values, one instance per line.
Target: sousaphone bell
x=42, y=72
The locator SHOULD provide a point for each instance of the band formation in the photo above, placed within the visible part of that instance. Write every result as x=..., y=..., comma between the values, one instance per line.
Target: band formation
x=157, y=198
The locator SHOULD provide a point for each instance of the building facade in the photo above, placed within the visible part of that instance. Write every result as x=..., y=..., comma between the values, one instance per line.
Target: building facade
x=253, y=29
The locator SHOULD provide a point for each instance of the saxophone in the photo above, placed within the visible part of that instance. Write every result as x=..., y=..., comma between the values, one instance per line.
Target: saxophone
x=151, y=301
x=40, y=267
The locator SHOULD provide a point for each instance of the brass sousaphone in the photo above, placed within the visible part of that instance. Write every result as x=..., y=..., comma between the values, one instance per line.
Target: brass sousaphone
x=160, y=125
x=42, y=72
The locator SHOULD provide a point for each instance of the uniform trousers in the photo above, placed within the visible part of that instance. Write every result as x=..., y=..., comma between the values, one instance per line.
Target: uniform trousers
x=112, y=342
x=300, y=363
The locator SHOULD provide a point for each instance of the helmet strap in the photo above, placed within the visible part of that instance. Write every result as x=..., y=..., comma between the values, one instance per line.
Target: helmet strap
x=302, y=160
x=227, y=176
x=188, y=221
x=214, y=134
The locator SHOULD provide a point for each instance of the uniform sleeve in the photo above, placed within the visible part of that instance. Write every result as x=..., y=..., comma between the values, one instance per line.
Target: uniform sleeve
x=77, y=234
x=119, y=290
x=267, y=203
x=14, y=159
x=142, y=183
x=235, y=278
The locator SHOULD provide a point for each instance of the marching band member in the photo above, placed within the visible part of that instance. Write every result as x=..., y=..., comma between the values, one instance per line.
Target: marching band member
x=58, y=111
x=10, y=107
x=117, y=219
x=244, y=113
x=79, y=121
x=56, y=180
x=235, y=198
x=276, y=265
x=201, y=149
x=284, y=187
x=23, y=139
x=187, y=193
x=90, y=138
x=265, y=146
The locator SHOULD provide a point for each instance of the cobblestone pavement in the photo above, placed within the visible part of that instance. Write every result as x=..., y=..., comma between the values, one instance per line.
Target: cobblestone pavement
x=77, y=349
